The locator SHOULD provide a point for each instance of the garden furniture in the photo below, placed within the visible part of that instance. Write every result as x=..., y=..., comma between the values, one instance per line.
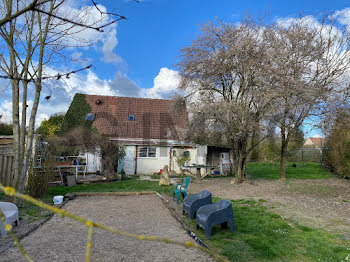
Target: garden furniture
x=193, y=202
x=181, y=188
x=10, y=212
x=214, y=214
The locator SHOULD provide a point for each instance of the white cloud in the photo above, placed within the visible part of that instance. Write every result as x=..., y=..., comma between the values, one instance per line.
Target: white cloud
x=108, y=45
x=318, y=136
x=343, y=16
x=327, y=30
x=84, y=37
x=6, y=111
x=164, y=84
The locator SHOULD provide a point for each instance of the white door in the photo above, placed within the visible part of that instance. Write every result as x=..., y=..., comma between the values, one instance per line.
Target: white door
x=130, y=160
x=93, y=161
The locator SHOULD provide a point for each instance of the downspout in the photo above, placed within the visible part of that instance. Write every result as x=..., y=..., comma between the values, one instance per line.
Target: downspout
x=170, y=157
x=136, y=160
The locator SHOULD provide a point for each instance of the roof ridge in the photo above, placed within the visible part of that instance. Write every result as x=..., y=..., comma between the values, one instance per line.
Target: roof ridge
x=145, y=98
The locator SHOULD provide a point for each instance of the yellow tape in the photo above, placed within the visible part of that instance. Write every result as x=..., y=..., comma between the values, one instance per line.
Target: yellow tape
x=90, y=224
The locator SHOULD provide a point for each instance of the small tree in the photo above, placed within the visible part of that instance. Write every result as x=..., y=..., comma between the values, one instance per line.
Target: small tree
x=33, y=35
x=308, y=63
x=222, y=74
x=51, y=126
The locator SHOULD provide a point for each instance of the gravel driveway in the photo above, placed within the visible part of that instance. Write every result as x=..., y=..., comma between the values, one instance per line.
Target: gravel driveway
x=323, y=203
x=65, y=239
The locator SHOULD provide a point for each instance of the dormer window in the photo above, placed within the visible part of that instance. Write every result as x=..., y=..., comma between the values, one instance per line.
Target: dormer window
x=131, y=117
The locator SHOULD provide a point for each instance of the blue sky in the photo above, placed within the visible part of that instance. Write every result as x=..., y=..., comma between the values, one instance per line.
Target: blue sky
x=136, y=57
x=157, y=29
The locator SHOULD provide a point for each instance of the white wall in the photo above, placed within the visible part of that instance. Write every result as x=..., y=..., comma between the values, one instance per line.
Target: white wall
x=150, y=165
x=202, y=155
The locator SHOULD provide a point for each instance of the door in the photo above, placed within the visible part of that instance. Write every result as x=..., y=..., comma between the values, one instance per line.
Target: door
x=225, y=164
x=130, y=160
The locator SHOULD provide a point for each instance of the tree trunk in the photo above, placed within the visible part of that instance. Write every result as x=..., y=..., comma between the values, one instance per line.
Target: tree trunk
x=284, y=144
x=239, y=167
x=255, y=155
x=16, y=133
x=283, y=160
x=239, y=164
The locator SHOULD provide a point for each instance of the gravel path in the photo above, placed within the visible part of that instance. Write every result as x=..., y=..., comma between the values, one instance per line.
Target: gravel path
x=323, y=203
x=65, y=239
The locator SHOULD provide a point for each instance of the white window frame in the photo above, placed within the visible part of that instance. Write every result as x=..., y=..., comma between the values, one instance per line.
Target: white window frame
x=147, y=152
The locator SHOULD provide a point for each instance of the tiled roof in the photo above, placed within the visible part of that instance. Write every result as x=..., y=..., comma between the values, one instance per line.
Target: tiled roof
x=317, y=141
x=152, y=117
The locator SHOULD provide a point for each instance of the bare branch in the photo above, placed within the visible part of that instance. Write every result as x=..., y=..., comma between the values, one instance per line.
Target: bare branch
x=57, y=77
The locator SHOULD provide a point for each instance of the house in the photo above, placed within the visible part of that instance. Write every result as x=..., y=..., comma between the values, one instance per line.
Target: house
x=315, y=142
x=150, y=131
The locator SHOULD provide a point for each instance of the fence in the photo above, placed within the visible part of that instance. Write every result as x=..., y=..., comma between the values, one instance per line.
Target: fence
x=306, y=155
x=6, y=166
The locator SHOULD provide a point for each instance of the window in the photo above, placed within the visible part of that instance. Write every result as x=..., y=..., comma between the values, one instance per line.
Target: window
x=152, y=152
x=131, y=118
x=147, y=152
x=142, y=152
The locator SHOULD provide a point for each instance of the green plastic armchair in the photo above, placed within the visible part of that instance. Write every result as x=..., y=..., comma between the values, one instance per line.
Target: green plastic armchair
x=181, y=188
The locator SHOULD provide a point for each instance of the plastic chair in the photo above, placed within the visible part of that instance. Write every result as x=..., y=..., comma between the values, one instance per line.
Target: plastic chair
x=181, y=188
x=193, y=202
x=10, y=212
x=214, y=214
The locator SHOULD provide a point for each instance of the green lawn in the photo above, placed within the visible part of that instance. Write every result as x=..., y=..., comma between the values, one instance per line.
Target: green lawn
x=31, y=212
x=264, y=236
x=130, y=185
x=301, y=171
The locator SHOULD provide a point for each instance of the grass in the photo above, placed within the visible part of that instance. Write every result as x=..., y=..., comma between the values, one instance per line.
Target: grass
x=130, y=185
x=31, y=212
x=260, y=234
x=154, y=176
x=28, y=211
x=264, y=236
x=301, y=171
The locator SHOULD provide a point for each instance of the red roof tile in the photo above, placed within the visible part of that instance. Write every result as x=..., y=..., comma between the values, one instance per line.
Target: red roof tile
x=153, y=119
x=317, y=141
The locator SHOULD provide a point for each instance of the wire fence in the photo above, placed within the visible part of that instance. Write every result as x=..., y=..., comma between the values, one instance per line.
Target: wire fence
x=10, y=191
x=304, y=155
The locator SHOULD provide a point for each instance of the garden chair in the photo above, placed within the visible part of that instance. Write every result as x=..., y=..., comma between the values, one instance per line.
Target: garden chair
x=181, y=188
x=214, y=214
x=193, y=202
x=10, y=212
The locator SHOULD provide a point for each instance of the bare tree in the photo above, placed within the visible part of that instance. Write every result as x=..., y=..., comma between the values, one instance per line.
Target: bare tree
x=308, y=63
x=222, y=73
x=31, y=39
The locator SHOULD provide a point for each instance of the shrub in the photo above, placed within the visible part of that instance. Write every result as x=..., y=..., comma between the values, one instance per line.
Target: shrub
x=85, y=140
x=38, y=178
x=5, y=129
x=338, y=145
x=51, y=127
